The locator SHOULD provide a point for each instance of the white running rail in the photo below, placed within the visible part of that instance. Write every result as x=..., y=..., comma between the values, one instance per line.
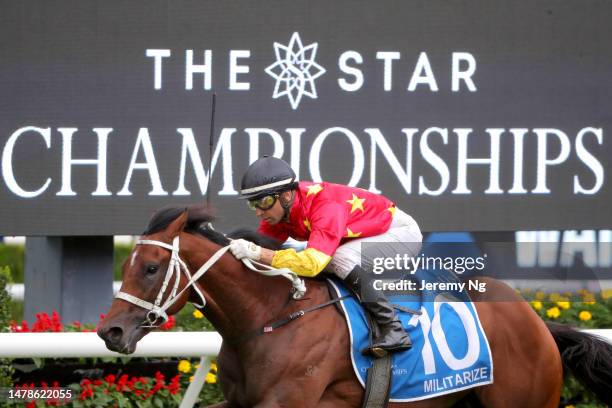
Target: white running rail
x=157, y=344
x=17, y=290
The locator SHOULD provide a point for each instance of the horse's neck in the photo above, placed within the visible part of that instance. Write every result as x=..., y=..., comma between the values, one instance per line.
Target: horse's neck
x=238, y=300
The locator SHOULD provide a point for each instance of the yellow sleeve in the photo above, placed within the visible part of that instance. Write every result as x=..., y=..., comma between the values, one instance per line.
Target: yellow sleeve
x=308, y=262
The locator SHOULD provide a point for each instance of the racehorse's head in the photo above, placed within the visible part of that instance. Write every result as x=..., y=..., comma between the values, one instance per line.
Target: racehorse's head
x=154, y=280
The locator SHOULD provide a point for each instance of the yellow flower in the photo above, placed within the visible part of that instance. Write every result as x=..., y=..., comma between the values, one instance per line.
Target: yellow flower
x=191, y=379
x=569, y=406
x=606, y=294
x=554, y=297
x=536, y=304
x=184, y=366
x=539, y=295
x=197, y=314
x=585, y=316
x=211, y=378
x=213, y=367
x=588, y=299
x=564, y=304
x=553, y=312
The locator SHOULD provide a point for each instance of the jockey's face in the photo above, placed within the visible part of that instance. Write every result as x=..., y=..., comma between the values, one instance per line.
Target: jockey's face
x=275, y=214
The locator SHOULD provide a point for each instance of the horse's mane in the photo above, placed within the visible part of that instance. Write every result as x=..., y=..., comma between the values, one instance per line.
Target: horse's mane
x=199, y=218
x=256, y=237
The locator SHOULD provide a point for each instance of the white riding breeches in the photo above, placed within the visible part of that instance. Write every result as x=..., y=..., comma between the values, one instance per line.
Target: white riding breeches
x=403, y=230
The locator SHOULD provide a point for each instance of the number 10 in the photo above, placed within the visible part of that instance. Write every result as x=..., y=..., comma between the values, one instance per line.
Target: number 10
x=435, y=327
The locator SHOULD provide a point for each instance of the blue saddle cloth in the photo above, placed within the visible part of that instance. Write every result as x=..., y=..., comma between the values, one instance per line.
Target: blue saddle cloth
x=454, y=355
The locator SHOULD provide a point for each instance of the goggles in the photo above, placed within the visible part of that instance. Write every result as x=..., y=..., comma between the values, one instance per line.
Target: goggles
x=264, y=203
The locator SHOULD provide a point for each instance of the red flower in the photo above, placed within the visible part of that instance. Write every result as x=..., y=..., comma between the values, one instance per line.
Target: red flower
x=13, y=327
x=86, y=393
x=41, y=322
x=174, y=385
x=158, y=386
x=44, y=323
x=110, y=379
x=24, y=328
x=131, y=382
x=122, y=382
x=56, y=324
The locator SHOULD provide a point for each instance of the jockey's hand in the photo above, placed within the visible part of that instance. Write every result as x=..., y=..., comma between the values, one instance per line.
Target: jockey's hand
x=241, y=248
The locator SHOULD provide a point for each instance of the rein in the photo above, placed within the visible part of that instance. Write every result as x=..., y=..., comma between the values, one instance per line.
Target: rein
x=269, y=328
x=157, y=311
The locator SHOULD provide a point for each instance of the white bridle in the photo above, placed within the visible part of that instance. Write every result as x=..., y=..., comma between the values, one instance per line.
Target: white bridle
x=157, y=310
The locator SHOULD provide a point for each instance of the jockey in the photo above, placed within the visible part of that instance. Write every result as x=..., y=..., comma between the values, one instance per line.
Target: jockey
x=335, y=220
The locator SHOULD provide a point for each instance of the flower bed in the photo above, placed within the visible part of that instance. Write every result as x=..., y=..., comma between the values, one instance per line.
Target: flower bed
x=582, y=309
x=126, y=391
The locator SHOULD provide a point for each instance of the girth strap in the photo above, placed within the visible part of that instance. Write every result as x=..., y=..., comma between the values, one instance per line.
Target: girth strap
x=378, y=383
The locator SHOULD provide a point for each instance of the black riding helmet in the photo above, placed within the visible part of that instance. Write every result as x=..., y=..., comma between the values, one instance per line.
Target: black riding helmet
x=267, y=175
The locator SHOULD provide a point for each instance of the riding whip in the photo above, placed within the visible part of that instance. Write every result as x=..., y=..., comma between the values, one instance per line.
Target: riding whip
x=210, y=148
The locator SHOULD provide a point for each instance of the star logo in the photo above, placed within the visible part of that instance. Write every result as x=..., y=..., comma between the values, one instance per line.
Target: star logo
x=307, y=224
x=356, y=203
x=314, y=189
x=295, y=70
x=351, y=234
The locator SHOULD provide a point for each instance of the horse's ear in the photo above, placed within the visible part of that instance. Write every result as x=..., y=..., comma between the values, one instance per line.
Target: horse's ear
x=177, y=225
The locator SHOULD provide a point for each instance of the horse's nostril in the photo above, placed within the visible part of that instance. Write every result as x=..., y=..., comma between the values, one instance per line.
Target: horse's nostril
x=113, y=335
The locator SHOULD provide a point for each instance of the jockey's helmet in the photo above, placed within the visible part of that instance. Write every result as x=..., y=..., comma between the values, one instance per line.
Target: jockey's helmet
x=267, y=175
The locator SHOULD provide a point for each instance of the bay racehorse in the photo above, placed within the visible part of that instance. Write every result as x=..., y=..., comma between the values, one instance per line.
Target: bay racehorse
x=306, y=363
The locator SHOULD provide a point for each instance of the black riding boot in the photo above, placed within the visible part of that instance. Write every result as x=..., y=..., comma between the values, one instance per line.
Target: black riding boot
x=391, y=335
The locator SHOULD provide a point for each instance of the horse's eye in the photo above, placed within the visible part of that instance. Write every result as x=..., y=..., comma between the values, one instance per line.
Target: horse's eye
x=152, y=269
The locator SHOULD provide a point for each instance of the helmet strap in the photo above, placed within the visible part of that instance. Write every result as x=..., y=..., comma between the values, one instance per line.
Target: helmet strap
x=286, y=205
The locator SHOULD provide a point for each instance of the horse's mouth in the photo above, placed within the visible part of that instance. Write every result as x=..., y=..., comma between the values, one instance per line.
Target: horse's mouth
x=128, y=346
